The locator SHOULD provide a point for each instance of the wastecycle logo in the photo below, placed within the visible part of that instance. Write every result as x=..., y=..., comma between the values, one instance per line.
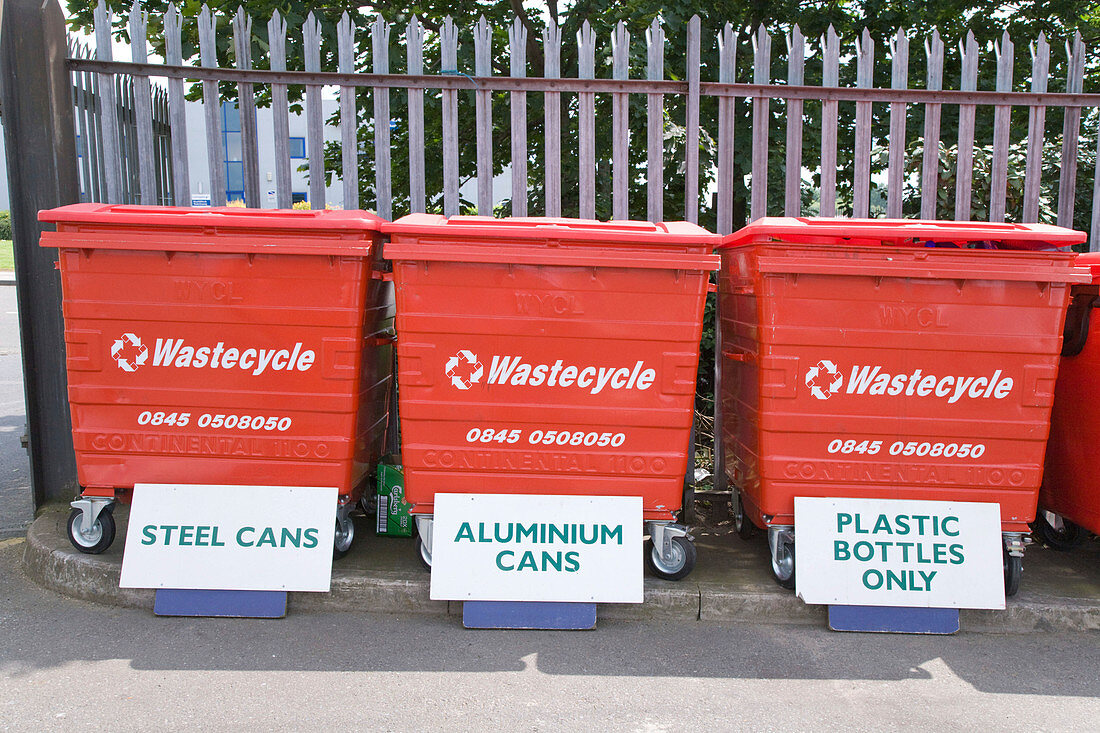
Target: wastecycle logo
x=130, y=353
x=826, y=379
x=464, y=369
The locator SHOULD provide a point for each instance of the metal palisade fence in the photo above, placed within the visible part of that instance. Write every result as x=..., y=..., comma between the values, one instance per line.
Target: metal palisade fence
x=917, y=173
x=132, y=99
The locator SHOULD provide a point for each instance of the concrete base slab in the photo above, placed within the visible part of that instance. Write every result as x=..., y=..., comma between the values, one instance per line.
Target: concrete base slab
x=732, y=583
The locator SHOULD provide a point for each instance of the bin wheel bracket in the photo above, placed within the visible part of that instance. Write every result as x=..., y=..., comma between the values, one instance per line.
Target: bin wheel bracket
x=424, y=525
x=91, y=525
x=345, y=531
x=781, y=544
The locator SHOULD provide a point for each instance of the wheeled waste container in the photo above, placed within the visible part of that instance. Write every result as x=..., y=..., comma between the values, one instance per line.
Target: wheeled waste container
x=1069, y=501
x=888, y=359
x=550, y=356
x=221, y=346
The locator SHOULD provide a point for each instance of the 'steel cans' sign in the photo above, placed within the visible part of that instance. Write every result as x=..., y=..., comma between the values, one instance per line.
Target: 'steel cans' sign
x=230, y=537
x=886, y=552
x=495, y=547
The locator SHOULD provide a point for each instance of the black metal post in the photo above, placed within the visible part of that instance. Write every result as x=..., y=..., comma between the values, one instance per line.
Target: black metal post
x=36, y=94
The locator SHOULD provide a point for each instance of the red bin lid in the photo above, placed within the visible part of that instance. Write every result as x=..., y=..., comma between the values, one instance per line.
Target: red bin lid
x=901, y=232
x=219, y=229
x=1090, y=261
x=676, y=245
x=557, y=229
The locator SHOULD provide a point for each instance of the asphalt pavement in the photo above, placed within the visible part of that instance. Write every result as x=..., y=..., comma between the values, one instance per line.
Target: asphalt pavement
x=66, y=665
x=16, y=503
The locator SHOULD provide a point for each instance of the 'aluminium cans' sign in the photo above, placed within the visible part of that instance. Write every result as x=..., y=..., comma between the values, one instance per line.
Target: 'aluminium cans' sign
x=887, y=552
x=230, y=537
x=509, y=547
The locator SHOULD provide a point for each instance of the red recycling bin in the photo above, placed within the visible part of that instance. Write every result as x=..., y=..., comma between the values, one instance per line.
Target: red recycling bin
x=550, y=356
x=221, y=346
x=888, y=359
x=1069, y=502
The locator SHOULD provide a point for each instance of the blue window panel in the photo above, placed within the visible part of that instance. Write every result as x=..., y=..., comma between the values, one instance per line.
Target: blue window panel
x=233, y=146
x=234, y=175
x=298, y=196
x=297, y=147
x=231, y=117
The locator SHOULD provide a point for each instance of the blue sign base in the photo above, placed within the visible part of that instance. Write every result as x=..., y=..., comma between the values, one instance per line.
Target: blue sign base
x=894, y=619
x=528, y=615
x=230, y=603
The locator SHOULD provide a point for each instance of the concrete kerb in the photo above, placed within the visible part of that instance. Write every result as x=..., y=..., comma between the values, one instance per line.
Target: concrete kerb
x=52, y=562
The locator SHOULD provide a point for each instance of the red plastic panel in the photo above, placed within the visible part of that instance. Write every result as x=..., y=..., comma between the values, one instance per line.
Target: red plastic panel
x=563, y=378
x=888, y=372
x=219, y=366
x=1071, y=482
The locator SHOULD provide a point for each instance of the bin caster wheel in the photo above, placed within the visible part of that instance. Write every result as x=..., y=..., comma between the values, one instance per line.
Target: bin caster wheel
x=783, y=565
x=683, y=559
x=342, y=539
x=744, y=527
x=1056, y=532
x=98, y=538
x=423, y=553
x=1014, y=567
x=367, y=505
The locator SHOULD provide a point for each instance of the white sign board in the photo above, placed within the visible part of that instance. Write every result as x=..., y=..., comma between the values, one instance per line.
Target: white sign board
x=887, y=552
x=230, y=537
x=510, y=547
x=204, y=200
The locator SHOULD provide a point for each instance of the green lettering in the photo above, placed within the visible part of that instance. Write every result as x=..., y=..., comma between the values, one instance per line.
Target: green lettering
x=149, y=533
x=186, y=533
x=551, y=559
x=841, y=551
x=528, y=561
x=168, y=532
x=531, y=533
x=616, y=533
x=572, y=563
x=465, y=532
x=893, y=579
x=957, y=552
x=842, y=520
x=882, y=525
x=501, y=555
x=309, y=538
x=241, y=531
x=214, y=539
x=294, y=538
x=928, y=578
x=202, y=536
x=267, y=537
x=872, y=579
x=561, y=532
x=946, y=531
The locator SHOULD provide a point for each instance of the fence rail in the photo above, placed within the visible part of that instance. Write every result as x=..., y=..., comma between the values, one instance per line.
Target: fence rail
x=708, y=185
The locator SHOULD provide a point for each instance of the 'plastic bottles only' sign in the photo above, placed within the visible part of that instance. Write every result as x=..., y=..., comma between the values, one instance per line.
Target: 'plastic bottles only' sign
x=886, y=552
